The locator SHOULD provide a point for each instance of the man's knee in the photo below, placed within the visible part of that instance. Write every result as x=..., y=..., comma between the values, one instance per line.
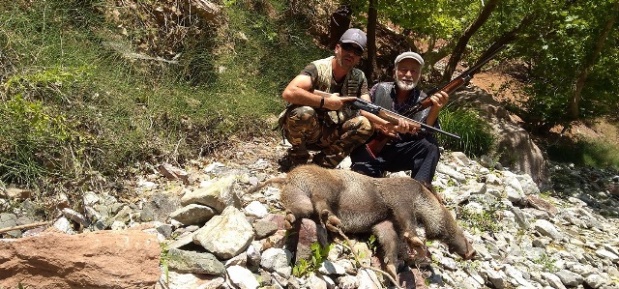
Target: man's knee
x=429, y=148
x=433, y=151
x=301, y=117
x=358, y=130
x=366, y=169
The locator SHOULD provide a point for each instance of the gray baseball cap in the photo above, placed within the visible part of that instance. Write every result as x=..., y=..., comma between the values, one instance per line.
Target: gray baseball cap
x=355, y=36
x=407, y=55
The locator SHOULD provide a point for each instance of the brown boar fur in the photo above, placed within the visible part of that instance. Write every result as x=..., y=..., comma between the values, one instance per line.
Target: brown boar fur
x=355, y=203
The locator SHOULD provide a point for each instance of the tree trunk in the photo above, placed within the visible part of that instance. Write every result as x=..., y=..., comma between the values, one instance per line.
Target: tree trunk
x=338, y=24
x=370, y=65
x=588, y=63
x=456, y=55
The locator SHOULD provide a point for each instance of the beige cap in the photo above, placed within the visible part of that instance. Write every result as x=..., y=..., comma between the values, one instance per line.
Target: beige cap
x=407, y=55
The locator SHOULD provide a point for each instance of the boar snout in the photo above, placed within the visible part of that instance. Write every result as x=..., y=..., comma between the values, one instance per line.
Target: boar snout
x=466, y=252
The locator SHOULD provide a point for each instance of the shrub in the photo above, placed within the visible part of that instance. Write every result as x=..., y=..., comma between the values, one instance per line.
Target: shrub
x=476, y=135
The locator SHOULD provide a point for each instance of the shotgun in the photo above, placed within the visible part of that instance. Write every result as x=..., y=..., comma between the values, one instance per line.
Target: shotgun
x=387, y=115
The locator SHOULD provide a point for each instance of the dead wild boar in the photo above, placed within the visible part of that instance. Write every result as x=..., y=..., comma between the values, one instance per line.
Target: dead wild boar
x=355, y=203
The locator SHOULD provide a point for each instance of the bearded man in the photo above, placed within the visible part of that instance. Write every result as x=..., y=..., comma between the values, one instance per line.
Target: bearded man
x=408, y=148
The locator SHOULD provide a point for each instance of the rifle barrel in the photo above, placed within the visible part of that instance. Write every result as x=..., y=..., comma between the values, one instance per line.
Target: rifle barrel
x=394, y=116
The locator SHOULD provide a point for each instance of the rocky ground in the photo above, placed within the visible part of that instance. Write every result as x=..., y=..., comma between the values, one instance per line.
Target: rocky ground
x=195, y=227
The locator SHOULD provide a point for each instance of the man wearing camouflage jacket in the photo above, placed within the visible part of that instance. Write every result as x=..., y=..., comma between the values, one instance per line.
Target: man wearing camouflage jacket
x=329, y=125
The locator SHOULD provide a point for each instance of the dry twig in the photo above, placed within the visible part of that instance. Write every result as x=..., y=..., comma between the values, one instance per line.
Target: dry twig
x=22, y=227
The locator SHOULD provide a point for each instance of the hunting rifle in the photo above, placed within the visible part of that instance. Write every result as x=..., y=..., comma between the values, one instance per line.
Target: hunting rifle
x=456, y=83
x=387, y=115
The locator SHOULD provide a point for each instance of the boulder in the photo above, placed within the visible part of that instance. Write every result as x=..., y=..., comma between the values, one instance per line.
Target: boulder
x=515, y=148
x=56, y=260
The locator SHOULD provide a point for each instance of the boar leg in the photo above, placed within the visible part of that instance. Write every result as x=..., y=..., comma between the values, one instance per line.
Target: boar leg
x=407, y=222
x=440, y=224
x=297, y=202
x=327, y=218
x=292, y=240
x=388, y=239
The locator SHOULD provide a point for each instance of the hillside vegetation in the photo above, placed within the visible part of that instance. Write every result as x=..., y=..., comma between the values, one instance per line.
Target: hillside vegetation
x=94, y=90
x=82, y=95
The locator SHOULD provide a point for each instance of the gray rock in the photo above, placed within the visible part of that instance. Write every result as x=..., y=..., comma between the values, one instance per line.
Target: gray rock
x=194, y=262
x=160, y=206
x=218, y=195
x=314, y=281
x=264, y=228
x=605, y=254
x=553, y=280
x=193, y=214
x=547, y=229
x=595, y=281
x=226, y=235
x=276, y=260
x=494, y=277
x=520, y=218
x=242, y=278
x=7, y=221
x=569, y=278
x=256, y=209
x=444, y=169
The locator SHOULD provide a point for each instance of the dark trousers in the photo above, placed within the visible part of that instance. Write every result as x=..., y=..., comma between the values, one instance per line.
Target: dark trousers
x=420, y=156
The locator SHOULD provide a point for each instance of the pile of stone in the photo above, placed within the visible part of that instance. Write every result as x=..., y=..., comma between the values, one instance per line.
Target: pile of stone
x=211, y=234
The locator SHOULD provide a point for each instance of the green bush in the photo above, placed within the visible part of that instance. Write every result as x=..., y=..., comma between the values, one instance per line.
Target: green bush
x=30, y=140
x=476, y=135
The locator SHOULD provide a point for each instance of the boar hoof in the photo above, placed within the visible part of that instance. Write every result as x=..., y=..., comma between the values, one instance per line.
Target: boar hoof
x=333, y=220
x=413, y=240
x=470, y=254
x=333, y=225
x=290, y=219
x=391, y=270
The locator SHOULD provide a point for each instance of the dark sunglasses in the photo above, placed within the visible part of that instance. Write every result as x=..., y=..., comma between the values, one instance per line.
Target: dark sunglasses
x=351, y=47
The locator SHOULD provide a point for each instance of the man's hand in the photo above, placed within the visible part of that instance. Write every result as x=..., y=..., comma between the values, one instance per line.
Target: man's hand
x=439, y=99
x=408, y=127
x=388, y=129
x=403, y=127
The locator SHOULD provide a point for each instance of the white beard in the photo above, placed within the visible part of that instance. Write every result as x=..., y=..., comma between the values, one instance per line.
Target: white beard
x=406, y=86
